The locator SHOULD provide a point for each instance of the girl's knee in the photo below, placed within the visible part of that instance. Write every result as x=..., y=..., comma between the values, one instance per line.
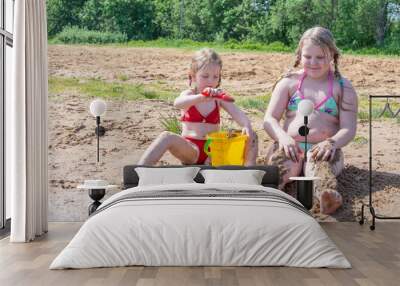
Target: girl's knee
x=271, y=152
x=253, y=143
x=287, y=168
x=166, y=137
x=293, y=169
x=253, y=138
x=317, y=168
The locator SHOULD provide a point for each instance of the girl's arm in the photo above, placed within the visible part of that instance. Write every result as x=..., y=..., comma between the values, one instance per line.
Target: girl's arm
x=326, y=150
x=251, y=149
x=187, y=99
x=237, y=114
x=276, y=107
x=347, y=117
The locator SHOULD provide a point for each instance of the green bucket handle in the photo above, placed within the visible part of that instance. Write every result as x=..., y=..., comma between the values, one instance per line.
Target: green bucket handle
x=207, y=146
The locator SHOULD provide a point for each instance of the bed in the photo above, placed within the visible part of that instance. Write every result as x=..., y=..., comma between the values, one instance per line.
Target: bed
x=201, y=224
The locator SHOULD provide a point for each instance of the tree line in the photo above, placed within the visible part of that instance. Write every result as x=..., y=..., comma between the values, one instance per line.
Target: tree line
x=355, y=23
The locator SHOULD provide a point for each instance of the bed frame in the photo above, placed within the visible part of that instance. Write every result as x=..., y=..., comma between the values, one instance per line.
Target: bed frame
x=270, y=179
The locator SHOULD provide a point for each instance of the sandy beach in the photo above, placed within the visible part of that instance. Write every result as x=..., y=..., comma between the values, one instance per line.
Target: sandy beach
x=132, y=125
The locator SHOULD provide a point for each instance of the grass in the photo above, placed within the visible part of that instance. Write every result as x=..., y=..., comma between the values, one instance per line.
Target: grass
x=96, y=87
x=249, y=46
x=71, y=38
x=360, y=140
x=122, y=90
x=122, y=77
x=259, y=102
x=377, y=108
x=75, y=35
x=171, y=123
x=374, y=51
x=220, y=46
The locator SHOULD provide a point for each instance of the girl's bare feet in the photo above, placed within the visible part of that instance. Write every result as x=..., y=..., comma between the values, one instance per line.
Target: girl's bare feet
x=331, y=200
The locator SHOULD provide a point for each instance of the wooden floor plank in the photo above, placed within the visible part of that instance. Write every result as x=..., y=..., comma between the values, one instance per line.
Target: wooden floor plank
x=374, y=255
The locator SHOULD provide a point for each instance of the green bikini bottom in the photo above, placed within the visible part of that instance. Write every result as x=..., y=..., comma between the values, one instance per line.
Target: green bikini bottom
x=302, y=146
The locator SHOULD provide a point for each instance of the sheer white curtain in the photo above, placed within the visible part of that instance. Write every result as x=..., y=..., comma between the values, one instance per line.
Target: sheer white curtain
x=26, y=123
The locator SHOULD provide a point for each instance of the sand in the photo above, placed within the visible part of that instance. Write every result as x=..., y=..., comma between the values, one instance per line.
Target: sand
x=132, y=125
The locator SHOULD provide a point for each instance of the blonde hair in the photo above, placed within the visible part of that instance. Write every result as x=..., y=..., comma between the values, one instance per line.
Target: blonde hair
x=323, y=38
x=201, y=59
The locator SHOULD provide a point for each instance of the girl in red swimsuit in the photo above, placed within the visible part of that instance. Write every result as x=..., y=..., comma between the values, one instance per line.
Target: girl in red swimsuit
x=200, y=115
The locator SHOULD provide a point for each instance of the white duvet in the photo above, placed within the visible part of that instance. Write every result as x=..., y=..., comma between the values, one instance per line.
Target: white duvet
x=183, y=231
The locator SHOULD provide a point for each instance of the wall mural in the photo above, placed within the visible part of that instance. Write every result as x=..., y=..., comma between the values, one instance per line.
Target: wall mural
x=149, y=90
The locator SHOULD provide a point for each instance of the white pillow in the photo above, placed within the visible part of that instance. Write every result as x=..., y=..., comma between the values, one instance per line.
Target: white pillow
x=164, y=176
x=248, y=177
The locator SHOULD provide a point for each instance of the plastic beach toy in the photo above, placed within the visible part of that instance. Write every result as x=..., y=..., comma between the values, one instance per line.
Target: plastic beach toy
x=226, y=147
x=219, y=94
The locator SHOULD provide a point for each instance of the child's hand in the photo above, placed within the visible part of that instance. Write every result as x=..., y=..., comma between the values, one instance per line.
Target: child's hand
x=252, y=136
x=216, y=93
x=247, y=131
x=211, y=92
x=290, y=147
x=323, y=151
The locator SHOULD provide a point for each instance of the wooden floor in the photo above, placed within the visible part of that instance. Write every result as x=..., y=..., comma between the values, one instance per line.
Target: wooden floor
x=374, y=255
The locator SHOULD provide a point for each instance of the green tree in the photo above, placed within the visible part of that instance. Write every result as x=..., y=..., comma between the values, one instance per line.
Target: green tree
x=362, y=23
x=240, y=21
x=167, y=18
x=289, y=19
x=198, y=18
x=355, y=23
x=345, y=29
x=61, y=13
x=131, y=17
x=91, y=16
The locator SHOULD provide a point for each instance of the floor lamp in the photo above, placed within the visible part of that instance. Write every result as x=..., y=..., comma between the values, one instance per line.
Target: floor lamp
x=97, y=108
x=305, y=184
x=305, y=108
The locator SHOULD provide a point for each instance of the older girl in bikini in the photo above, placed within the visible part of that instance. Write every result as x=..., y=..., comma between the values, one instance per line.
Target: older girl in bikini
x=332, y=124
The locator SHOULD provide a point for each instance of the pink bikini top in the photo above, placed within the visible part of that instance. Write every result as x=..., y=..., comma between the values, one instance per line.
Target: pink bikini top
x=329, y=102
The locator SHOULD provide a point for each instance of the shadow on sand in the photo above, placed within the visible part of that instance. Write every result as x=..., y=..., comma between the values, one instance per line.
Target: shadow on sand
x=354, y=187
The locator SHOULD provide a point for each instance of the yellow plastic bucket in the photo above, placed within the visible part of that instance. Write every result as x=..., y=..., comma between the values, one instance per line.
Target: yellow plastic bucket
x=225, y=148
